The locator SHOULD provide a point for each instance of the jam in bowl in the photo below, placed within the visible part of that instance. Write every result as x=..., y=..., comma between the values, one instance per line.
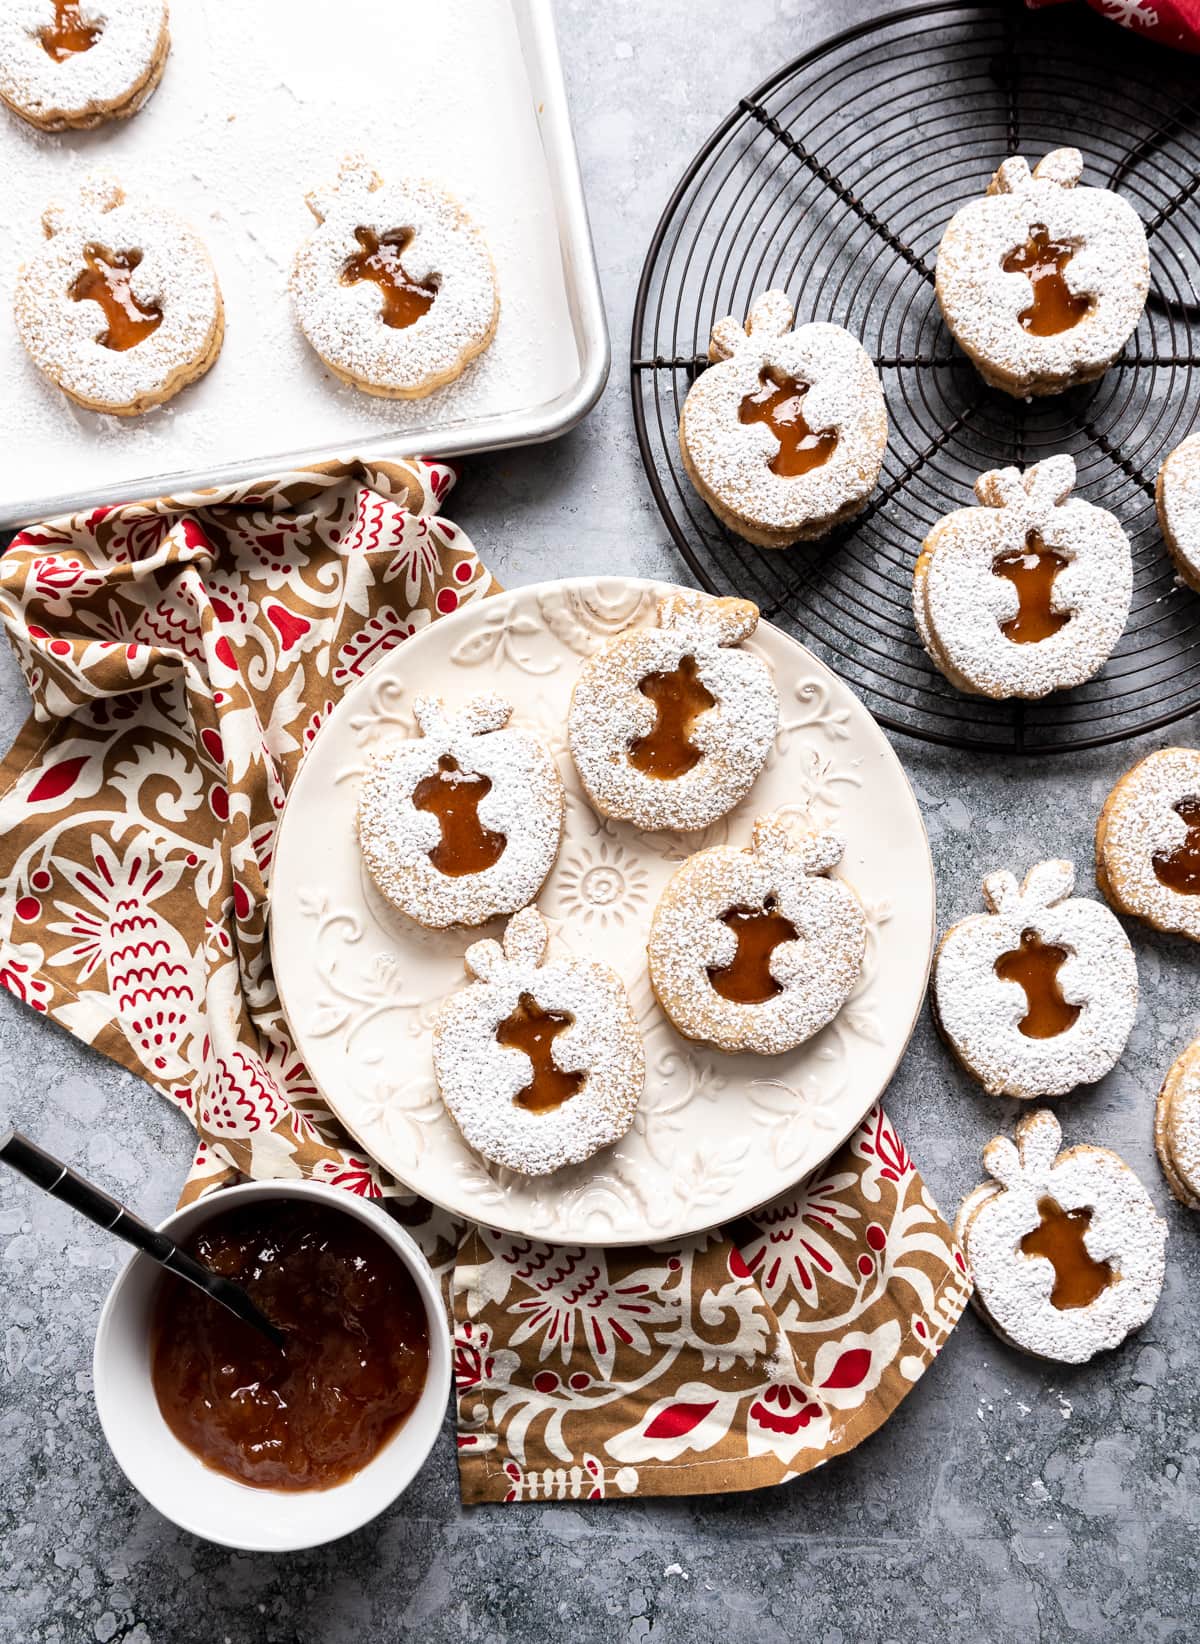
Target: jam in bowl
x=268, y=1449
x=355, y=1347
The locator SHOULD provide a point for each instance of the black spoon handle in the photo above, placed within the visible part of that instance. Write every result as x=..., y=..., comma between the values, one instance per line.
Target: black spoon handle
x=61, y=1182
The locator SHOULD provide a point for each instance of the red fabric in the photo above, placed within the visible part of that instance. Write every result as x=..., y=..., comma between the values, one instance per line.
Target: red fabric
x=1168, y=22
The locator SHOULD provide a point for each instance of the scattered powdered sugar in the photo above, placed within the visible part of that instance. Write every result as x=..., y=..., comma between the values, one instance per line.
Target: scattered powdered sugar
x=608, y=712
x=959, y=603
x=107, y=75
x=981, y=302
x=1013, y=1289
x=525, y=804
x=730, y=459
x=980, y=1014
x=479, y=1078
x=1177, y=1127
x=815, y=973
x=1178, y=496
x=1139, y=820
x=343, y=322
x=231, y=140
x=174, y=274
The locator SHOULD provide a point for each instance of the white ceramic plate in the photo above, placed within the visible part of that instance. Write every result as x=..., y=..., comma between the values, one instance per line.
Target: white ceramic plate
x=715, y=1135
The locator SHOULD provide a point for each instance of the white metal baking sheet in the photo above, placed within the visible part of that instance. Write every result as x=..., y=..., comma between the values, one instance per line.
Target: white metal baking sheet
x=258, y=103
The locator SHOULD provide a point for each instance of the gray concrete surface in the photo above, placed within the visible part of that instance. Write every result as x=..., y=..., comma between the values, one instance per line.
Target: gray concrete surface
x=1007, y=1499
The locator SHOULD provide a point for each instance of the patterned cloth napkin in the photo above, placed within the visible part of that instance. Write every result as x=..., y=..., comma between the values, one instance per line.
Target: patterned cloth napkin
x=1170, y=22
x=181, y=655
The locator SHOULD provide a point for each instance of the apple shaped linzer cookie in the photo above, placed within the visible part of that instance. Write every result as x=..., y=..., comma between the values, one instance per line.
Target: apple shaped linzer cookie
x=757, y=949
x=1042, y=282
x=395, y=289
x=1148, y=842
x=783, y=436
x=1038, y=994
x=72, y=64
x=463, y=822
x=1177, y=1127
x=1177, y=494
x=120, y=307
x=669, y=726
x=540, y=1063
x=1028, y=593
x=1066, y=1249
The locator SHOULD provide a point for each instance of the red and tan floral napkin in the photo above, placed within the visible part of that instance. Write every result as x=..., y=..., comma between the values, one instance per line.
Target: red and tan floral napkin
x=181, y=654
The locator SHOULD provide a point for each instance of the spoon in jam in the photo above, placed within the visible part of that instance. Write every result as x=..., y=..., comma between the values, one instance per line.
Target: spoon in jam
x=60, y=1182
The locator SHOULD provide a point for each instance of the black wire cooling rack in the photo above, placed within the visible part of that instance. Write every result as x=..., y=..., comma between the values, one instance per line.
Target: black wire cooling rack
x=834, y=180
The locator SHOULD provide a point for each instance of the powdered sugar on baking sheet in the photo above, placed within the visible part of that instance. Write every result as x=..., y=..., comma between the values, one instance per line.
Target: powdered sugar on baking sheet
x=979, y=1013
x=105, y=75
x=232, y=140
x=479, y=1078
x=1139, y=820
x=1013, y=1288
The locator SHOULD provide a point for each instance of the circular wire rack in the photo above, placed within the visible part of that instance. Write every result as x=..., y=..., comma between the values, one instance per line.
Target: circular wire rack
x=834, y=180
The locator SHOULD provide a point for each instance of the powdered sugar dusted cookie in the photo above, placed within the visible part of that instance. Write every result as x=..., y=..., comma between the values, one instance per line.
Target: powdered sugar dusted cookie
x=1028, y=593
x=463, y=823
x=1148, y=842
x=76, y=63
x=1177, y=1127
x=1177, y=493
x=395, y=290
x=539, y=1065
x=784, y=435
x=1066, y=1249
x=757, y=949
x=120, y=307
x=1042, y=282
x=1039, y=994
x=669, y=726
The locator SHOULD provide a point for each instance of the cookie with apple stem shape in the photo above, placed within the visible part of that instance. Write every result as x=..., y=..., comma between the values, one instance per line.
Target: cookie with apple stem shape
x=1026, y=594
x=1042, y=282
x=1066, y=1250
x=1038, y=994
x=1177, y=1126
x=669, y=726
x=120, y=306
x=463, y=822
x=395, y=288
x=73, y=64
x=757, y=948
x=783, y=436
x=1148, y=842
x=539, y=1062
x=1177, y=497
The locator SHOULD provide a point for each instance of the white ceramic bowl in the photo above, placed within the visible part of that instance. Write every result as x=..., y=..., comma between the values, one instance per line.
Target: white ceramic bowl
x=208, y=1503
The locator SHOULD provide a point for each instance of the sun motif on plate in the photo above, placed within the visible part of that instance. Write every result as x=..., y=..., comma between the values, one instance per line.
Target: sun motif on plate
x=602, y=884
